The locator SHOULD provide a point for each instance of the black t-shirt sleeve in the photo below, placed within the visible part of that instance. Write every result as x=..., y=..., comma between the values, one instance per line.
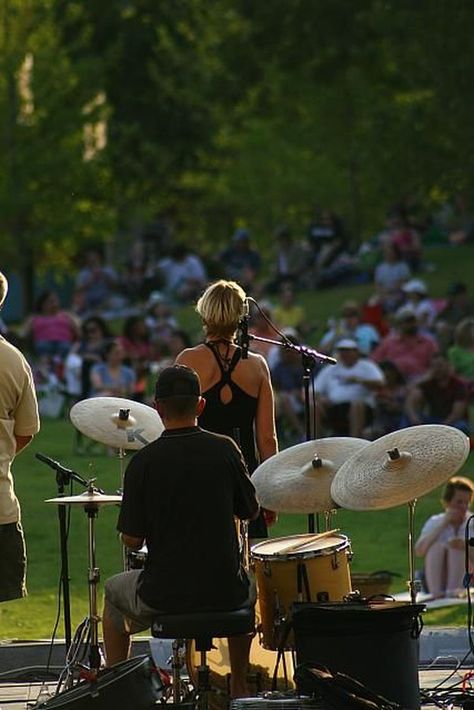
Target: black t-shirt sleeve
x=245, y=501
x=131, y=520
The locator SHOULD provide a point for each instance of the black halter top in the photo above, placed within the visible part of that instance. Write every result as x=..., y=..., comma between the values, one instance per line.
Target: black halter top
x=236, y=417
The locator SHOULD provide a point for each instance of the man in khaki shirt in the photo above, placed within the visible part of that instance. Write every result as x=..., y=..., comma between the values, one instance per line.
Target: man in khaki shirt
x=19, y=422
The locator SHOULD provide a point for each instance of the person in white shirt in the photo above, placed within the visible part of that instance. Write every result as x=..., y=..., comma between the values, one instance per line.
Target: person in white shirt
x=441, y=541
x=345, y=392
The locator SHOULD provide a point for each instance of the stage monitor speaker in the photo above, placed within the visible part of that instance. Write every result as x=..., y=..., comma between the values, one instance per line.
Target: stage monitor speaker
x=132, y=684
x=376, y=643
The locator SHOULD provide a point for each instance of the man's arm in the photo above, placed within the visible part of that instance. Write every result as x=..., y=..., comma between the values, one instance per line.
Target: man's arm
x=21, y=442
x=133, y=543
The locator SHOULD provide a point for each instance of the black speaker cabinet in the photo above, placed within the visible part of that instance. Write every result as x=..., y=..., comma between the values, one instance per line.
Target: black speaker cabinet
x=375, y=643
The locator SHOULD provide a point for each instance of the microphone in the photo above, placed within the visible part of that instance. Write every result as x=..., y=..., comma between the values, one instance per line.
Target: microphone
x=56, y=466
x=244, y=338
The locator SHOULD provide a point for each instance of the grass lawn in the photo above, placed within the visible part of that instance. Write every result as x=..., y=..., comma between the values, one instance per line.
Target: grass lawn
x=379, y=539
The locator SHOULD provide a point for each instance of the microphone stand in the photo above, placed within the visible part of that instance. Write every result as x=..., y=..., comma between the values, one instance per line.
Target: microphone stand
x=63, y=478
x=309, y=357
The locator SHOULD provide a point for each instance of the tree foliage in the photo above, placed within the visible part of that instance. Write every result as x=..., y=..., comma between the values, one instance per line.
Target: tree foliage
x=227, y=112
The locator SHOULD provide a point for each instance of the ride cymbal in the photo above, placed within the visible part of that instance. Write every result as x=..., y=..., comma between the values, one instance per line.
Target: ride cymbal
x=298, y=479
x=400, y=467
x=113, y=421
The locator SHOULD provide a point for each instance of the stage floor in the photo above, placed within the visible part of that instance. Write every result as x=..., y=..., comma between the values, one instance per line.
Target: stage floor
x=23, y=696
x=440, y=649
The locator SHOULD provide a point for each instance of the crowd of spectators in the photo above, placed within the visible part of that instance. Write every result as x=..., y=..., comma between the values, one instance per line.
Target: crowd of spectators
x=405, y=355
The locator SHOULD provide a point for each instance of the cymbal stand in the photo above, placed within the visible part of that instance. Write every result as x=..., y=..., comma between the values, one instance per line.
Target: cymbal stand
x=413, y=584
x=122, y=454
x=309, y=357
x=88, y=630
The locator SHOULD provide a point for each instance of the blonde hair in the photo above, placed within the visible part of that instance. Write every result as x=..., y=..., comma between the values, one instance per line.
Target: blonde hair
x=3, y=288
x=457, y=483
x=221, y=306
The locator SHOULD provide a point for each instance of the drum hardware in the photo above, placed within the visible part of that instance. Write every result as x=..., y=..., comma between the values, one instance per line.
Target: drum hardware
x=88, y=631
x=64, y=477
x=398, y=468
x=119, y=423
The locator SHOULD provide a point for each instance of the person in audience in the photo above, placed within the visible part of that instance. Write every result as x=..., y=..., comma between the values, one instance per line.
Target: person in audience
x=260, y=325
x=389, y=277
x=389, y=402
x=350, y=326
x=288, y=313
x=327, y=237
x=240, y=262
x=416, y=297
x=287, y=378
x=404, y=237
x=410, y=350
x=159, y=319
x=52, y=330
x=111, y=378
x=96, y=285
x=183, y=273
x=292, y=261
x=439, y=398
x=137, y=347
x=461, y=353
x=345, y=393
x=441, y=542
x=458, y=306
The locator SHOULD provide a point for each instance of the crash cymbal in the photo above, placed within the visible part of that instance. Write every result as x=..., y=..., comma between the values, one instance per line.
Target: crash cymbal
x=400, y=467
x=116, y=422
x=298, y=479
x=90, y=499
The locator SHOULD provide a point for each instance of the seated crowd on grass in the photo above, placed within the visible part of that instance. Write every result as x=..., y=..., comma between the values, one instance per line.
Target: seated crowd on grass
x=405, y=355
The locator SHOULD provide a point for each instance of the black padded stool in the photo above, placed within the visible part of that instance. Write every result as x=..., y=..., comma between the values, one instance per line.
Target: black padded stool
x=201, y=626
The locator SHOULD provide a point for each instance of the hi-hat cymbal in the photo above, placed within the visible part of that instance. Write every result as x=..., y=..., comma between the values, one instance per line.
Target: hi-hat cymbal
x=400, y=467
x=113, y=421
x=298, y=479
x=87, y=499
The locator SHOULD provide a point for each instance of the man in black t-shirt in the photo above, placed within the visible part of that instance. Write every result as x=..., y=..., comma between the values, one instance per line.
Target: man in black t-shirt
x=181, y=493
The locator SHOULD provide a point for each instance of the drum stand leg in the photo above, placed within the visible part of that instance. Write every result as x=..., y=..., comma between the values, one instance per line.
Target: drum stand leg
x=87, y=632
x=413, y=584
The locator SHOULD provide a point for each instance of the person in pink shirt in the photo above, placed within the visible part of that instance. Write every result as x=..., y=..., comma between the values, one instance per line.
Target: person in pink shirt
x=410, y=350
x=51, y=330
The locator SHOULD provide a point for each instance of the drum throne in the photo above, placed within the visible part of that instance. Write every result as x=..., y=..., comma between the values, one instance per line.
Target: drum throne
x=201, y=627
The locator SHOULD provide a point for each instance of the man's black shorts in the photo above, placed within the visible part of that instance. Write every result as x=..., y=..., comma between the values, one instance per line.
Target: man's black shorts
x=12, y=562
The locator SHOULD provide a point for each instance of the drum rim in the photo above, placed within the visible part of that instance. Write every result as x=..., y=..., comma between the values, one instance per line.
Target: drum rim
x=295, y=554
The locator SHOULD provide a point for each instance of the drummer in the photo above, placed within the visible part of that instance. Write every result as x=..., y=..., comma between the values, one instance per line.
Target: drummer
x=181, y=493
x=442, y=543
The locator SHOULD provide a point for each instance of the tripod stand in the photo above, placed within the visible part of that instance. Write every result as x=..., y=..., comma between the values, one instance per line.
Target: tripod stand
x=88, y=631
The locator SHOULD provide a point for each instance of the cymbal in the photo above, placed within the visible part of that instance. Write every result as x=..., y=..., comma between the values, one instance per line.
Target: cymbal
x=400, y=467
x=120, y=423
x=90, y=499
x=298, y=479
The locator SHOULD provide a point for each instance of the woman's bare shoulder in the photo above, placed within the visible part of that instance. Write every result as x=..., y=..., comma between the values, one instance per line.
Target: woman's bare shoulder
x=191, y=355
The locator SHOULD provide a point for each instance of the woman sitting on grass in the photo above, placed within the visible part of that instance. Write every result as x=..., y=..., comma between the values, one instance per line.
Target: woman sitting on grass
x=441, y=541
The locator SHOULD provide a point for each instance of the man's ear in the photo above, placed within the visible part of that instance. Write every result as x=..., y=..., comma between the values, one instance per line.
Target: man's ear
x=200, y=406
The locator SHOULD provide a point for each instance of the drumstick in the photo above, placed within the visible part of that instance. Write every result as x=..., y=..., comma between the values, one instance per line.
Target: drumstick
x=301, y=543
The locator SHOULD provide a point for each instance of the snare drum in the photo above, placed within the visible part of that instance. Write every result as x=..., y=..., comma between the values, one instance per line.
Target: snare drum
x=298, y=568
